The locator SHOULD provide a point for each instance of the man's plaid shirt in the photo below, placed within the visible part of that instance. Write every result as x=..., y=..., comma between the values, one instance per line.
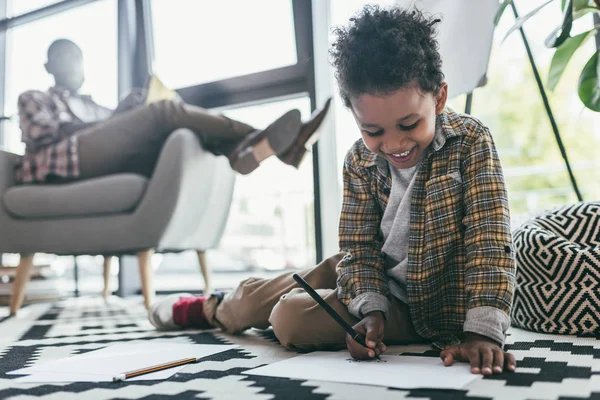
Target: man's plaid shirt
x=49, y=152
x=460, y=247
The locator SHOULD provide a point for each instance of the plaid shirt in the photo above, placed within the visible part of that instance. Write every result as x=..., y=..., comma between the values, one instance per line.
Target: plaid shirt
x=50, y=153
x=460, y=247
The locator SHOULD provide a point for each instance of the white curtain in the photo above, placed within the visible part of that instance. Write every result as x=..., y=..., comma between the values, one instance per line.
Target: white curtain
x=465, y=38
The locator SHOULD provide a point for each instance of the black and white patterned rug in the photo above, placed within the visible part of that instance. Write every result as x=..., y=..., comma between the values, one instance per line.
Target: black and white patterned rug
x=550, y=366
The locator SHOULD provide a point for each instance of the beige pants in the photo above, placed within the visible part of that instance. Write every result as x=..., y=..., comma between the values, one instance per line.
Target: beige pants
x=297, y=320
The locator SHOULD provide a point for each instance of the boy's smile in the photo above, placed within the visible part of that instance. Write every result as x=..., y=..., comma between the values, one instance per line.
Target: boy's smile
x=399, y=126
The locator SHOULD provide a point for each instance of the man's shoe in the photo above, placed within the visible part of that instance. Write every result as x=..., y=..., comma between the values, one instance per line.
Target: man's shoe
x=276, y=139
x=309, y=134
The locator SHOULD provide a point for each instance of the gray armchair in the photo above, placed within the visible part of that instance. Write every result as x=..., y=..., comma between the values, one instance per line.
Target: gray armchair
x=183, y=206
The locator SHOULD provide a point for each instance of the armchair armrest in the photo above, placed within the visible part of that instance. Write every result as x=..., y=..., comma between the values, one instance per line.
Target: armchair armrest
x=8, y=161
x=189, y=194
x=7, y=178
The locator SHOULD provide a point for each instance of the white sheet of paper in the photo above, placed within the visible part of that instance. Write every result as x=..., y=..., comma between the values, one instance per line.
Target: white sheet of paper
x=403, y=372
x=111, y=361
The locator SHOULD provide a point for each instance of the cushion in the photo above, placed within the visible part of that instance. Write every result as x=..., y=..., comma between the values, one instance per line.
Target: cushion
x=112, y=194
x=558, y=271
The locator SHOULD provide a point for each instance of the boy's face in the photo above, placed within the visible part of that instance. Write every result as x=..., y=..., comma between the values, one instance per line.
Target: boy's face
x=399, y=126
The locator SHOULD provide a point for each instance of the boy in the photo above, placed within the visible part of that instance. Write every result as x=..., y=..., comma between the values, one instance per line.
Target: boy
x=424, y=229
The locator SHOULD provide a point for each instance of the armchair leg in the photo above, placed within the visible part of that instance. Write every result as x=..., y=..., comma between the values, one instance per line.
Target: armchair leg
x=205, y=271
x=21, y=279
x=146, y=275
x=107, y=262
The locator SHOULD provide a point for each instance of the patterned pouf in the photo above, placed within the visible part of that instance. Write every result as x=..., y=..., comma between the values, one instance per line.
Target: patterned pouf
x=558, y=271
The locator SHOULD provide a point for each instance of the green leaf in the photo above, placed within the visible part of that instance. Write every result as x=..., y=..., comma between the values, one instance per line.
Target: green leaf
x=563, y=55
x=524, y=19
x=565, y=28
x=562, y=4
x=580, y=4
x=500, y=11
x=589, y=84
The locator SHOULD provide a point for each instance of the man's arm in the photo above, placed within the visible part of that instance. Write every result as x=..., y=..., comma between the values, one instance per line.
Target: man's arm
x=490, y=268
x=362, y=284
x=38, y=122
x=70, y=128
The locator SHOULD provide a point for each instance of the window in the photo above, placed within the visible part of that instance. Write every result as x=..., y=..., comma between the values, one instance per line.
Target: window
x=271, y=220
x=510, y=104
x=197, y=41
x=93, y=27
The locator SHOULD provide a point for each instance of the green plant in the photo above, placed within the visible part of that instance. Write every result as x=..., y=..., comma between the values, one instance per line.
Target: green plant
x=566, y=45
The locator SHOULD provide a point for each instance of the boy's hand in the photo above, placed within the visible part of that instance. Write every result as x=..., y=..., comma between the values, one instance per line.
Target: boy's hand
x=371, y=327
x=484, y=355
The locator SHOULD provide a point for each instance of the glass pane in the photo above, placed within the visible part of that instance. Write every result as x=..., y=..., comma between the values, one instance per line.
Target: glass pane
x=202, y=41
x=18, y=7
x=512, y=107
x=271, y=221
x=92, y=27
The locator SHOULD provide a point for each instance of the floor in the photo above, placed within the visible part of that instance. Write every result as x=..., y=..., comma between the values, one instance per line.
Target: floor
x=550, y=366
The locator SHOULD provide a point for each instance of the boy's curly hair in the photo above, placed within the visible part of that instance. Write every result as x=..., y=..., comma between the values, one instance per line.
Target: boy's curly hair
x=385, y=49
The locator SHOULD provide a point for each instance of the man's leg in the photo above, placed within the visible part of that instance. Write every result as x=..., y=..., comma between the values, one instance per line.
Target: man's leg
x=247, y=306
x=131, y=142
x=300, y=323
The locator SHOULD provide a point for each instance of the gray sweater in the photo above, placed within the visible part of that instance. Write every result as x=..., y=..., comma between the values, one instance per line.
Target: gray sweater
x=395, y=226
x=395, y=229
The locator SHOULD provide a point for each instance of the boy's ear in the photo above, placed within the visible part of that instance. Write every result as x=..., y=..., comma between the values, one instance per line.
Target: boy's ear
x=441, y=98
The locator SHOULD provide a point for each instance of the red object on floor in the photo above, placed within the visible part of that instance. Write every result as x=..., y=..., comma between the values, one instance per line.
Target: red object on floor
x=189, y=313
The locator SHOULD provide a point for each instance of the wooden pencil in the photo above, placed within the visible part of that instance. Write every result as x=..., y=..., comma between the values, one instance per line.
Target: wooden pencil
x=147, y=370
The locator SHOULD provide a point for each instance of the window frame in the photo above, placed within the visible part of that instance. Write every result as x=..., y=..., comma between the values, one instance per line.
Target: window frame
x=136, y=52
x=293, y=80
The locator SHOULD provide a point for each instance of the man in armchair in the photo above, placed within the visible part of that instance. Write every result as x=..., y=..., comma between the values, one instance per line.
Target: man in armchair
x=69, y=137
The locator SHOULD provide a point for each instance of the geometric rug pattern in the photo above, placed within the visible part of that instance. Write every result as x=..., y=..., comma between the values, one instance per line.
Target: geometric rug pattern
x=549, y=366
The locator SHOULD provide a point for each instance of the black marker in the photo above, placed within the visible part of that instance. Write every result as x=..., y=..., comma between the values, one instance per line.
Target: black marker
x=337, y=317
